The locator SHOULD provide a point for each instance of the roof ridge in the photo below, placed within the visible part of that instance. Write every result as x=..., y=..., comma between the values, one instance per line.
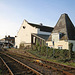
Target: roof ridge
x=39, y=25
x=66, y=27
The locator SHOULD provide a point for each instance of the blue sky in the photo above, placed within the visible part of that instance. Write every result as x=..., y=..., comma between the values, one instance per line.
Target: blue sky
x=13, y=12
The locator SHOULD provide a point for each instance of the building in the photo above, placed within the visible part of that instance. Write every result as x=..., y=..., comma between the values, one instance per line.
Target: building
x=38, y=38
x=62, y=34
x=7, y=42
x=29, y=29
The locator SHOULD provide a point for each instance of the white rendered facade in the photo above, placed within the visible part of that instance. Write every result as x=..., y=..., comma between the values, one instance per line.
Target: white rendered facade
x=60, y=44
x=24, y=33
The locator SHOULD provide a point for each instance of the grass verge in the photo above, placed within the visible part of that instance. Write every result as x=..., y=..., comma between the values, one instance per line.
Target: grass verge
x=37, y=54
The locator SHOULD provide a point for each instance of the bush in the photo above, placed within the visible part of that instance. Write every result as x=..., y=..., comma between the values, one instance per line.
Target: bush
x=60, y=54
x=43, y=50
x=70, y=50
x=73, y=54
x=33, y=47
x=50, y=52
x=21, y=45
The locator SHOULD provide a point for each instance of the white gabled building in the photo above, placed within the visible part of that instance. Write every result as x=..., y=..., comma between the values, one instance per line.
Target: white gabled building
x=25, y=31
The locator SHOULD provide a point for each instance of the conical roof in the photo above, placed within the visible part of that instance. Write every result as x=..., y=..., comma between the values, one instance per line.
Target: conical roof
x=64, y=26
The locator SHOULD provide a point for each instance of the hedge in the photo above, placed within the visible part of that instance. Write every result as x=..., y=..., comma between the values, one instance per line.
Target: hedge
x=58, y=53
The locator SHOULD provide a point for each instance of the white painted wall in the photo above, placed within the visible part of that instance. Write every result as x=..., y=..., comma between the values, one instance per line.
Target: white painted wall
x=62, y=43
x=24, y=35
x=43, y=32
x=57, y=42
x=55, y=37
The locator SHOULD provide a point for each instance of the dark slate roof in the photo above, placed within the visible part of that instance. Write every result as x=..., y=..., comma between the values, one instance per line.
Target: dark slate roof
x=64, y=26
x=41, y=27
x=45, y=37
x=7, y=38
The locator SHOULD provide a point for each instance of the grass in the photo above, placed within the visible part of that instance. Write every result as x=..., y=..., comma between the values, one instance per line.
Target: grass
x=37, y=54
x=0, y=72
x=14, y=49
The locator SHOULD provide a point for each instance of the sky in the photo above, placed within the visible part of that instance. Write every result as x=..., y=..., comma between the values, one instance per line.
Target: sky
x=47, y=12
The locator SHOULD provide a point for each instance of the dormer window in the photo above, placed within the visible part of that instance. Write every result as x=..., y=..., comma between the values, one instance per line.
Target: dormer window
x=55, y=37
x=60, y=35
x=24, y=27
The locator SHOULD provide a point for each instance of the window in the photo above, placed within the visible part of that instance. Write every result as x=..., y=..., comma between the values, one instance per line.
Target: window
x=33, y=39
x=60, y=35
x=55, y=37
x=23, y=27
x=59, y=47
x=51, y=46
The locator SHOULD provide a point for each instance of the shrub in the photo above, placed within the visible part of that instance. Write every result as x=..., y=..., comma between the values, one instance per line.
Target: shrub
x=70, y=50
x=61, y=54
x=33, y=47
x=21, y=45
x=43, y=50
x=58, y=53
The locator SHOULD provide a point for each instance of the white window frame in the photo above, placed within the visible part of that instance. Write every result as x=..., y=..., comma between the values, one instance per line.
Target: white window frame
x=51, y=46
x=60, y=47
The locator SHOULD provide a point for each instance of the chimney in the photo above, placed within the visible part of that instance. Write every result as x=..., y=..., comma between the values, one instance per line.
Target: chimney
x=5, y=36
x=41, y=24
x=8, y=36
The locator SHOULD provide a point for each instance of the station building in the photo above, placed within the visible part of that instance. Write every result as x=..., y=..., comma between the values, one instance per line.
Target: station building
x=28, y=33
x=58, y=37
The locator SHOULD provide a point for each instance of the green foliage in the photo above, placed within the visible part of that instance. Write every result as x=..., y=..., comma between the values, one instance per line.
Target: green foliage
x=70, y=46
x=70, y=50
x=73, y=54
x=0, y=72
x=42, y=48
x=34, y=47
x=60, y=54
x=65, y=61
x=21, y=45
x=45, y=51
x=37, y=45
x=38, y=48
x=50, y=52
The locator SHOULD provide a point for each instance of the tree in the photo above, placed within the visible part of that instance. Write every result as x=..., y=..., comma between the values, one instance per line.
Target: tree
x=70, y=49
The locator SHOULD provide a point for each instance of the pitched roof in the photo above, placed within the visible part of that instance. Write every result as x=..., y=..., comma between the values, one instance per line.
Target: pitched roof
x=42, y=28
x=45, y=37
x=64, y=26
x=7, y=38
